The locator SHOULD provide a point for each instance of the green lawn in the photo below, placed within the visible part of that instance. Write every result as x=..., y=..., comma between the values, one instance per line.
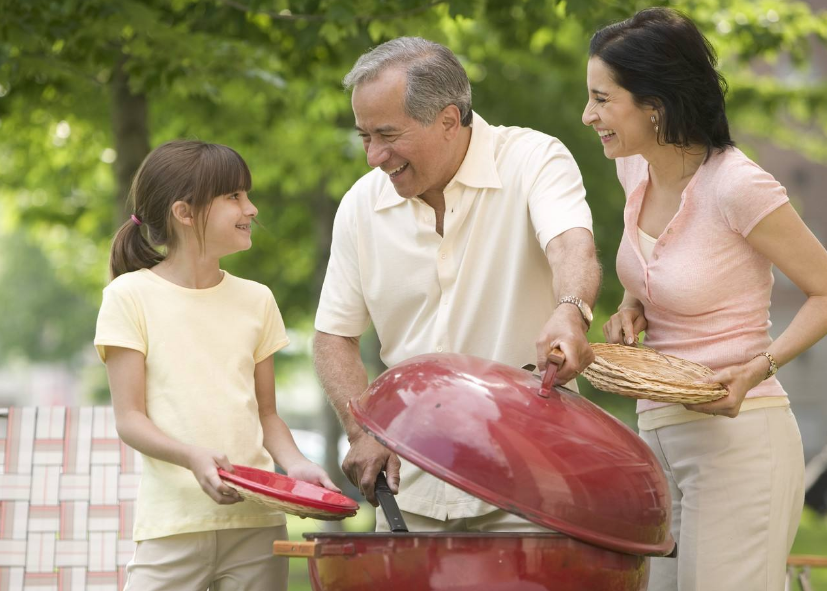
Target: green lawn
x=811, y=539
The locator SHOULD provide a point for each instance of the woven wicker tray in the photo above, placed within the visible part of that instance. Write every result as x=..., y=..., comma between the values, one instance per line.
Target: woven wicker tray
x=640, y=372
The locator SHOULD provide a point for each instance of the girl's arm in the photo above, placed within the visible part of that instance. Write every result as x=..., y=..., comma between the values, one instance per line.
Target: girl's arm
x=127, y=383
x=784, y=239
x=278, y=441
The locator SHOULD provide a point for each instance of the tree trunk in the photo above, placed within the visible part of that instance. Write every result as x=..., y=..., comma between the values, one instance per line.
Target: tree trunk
x=130, y=130
x=324, y=211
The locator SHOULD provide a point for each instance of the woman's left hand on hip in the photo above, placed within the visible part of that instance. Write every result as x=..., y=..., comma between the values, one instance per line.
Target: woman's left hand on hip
x=738, y=380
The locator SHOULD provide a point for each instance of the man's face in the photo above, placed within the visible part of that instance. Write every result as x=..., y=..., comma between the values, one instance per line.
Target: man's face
x=417, y=158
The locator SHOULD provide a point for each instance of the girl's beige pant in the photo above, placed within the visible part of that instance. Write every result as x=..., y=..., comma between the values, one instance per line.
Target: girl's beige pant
x=222, y=560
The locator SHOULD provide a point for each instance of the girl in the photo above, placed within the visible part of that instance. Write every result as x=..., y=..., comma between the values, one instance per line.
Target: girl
x=189, y=353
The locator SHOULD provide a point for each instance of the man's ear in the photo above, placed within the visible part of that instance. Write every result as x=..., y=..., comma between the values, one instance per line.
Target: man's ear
x=183, y=213
x=451, y=121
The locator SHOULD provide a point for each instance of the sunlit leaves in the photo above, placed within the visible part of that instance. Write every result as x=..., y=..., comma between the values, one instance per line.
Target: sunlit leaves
x=264, y=77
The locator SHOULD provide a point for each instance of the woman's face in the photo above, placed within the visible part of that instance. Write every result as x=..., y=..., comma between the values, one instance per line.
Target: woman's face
x=625, y=129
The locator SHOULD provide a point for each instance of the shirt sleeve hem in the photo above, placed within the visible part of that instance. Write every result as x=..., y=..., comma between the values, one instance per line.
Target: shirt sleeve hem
x=339, y=329
x=548, y=235
x=100, y=346
x=274, y=349
x=764, y=213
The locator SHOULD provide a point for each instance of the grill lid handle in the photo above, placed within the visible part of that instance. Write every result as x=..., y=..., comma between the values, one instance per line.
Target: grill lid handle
x=388, y=503
x=556, y=358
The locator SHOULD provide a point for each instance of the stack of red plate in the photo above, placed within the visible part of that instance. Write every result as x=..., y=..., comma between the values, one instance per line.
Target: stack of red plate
x=283, y=493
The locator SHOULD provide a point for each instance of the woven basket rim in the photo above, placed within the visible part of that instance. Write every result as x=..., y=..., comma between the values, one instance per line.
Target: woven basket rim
x=611, y=357
x=609, y=373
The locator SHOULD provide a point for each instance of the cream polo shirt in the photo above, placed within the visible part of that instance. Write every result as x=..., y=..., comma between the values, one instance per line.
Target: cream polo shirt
x=484, y=288
x=201, y=348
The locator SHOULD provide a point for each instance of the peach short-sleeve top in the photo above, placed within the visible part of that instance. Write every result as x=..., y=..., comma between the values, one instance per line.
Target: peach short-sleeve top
x=705, y=290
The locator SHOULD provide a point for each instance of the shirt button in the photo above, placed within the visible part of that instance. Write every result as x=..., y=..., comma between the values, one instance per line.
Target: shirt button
x=439, y=348
x=655, y=257
x=444, y=256
x=669, y=231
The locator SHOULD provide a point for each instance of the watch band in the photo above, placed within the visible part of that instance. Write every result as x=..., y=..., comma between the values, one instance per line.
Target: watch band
x=582, y=307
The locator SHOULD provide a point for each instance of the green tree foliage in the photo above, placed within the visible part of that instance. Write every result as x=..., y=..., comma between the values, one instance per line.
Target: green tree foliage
x=264, y=77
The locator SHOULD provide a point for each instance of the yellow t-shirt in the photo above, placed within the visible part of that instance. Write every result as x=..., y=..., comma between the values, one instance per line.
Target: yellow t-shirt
x=201, y=348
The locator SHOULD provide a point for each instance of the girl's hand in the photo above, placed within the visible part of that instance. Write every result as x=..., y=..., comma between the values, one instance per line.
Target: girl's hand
x=312, y=473
x=625, y=325
x=204, y=463
x=738, y=380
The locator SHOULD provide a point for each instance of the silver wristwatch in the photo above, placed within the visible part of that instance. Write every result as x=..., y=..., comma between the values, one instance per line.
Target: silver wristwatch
x=585, y=310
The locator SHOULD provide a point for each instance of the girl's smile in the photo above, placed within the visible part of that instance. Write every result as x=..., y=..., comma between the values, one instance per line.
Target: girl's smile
x=236, y=211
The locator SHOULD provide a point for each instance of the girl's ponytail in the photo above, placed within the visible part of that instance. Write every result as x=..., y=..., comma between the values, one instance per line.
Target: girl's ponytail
x=131, y=251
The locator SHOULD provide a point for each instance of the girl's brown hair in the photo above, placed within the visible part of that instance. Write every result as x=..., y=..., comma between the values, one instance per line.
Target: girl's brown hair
x=191, y=171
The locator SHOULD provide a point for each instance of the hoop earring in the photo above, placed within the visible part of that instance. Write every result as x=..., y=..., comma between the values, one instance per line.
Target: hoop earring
x=655, y=122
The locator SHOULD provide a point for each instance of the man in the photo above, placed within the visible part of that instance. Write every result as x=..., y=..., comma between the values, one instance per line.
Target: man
x=462, y=239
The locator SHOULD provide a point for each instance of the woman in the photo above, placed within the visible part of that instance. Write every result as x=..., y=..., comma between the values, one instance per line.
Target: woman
x=703, y=227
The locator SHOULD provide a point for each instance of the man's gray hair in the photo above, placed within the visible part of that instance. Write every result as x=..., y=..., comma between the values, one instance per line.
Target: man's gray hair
x=435, y=78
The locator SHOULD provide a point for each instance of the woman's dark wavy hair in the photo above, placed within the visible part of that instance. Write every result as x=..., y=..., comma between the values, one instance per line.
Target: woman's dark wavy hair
x=182, y=170
x=666, y=63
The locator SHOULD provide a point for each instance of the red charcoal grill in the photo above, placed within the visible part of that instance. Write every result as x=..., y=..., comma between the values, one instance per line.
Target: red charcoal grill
x=541, y=452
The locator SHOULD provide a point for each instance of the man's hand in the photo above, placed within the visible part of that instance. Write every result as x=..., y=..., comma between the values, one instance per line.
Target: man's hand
x=565, y=330
x=363, y=462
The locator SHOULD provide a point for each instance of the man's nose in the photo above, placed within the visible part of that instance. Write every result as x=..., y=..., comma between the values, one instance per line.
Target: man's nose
x=377, y=153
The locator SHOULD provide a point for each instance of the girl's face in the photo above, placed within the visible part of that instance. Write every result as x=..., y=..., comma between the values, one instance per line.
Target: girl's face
x=229, y=224
x=625, y=129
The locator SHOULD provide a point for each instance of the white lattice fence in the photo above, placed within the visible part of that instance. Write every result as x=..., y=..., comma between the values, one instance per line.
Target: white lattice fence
x=67, y=488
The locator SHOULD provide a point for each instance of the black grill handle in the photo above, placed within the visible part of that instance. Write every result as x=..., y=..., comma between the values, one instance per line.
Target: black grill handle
x=388, y=503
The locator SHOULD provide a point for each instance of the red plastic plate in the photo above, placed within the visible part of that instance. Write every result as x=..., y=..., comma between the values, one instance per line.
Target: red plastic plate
x=290, y=490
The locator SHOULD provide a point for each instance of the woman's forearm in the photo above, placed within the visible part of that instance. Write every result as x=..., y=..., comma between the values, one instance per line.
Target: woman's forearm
x=629, y=301
x=807, y=328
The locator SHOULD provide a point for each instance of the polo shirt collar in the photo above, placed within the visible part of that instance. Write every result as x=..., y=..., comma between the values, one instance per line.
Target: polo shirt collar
x=478, y=169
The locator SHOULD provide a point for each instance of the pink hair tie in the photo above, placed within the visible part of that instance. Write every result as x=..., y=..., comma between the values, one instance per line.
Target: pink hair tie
x=136, y=220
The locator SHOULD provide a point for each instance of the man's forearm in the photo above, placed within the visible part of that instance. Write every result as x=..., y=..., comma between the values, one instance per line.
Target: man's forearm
x=575, y=270
x=343, y=376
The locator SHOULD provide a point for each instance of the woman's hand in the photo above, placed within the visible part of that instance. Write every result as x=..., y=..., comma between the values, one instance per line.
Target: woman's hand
x=204, y=463
x=312, y=473
x=738, y=380
x=625, y=324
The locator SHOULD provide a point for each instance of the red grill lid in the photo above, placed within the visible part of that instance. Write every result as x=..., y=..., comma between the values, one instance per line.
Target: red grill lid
x=560, y=462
